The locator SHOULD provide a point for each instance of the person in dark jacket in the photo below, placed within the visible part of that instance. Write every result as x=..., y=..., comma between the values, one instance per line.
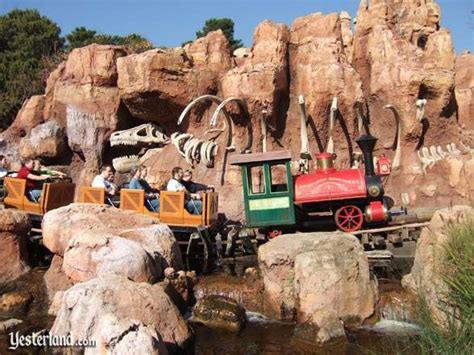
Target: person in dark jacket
x=191, y=186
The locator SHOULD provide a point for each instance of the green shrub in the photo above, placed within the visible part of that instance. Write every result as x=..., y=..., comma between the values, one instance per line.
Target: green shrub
x=457, y=272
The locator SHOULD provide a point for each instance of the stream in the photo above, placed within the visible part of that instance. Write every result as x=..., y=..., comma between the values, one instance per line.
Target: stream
x=392, y=334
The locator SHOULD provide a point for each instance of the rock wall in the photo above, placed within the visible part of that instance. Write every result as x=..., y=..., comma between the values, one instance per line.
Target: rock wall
x=397, y=54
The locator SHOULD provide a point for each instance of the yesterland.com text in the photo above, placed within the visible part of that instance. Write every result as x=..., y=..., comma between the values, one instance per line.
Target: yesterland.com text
x=46, y=339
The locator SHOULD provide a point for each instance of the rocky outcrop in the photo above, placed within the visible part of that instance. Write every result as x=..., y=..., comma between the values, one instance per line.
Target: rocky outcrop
x=426, y=278
x=46, y=140
x=308, y=277
x=103, y=309
x=96, y=240
x=90, y=254
x=158, y=84
x=219, y=312
x=61, y=225
x=14, y=227
x=465, y=90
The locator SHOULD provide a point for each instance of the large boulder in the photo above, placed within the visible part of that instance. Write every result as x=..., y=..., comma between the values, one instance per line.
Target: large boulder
x=55, y=279
x=90, y=254
x=425, y=278
x=321, y=279
x=62, y=224
x=46, y=140
x=14, y=227
x=217, y=311
x=156, y=85
x=103, y=307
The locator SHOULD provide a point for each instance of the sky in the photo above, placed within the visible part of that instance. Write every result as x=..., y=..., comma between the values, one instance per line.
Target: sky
x=170, y=23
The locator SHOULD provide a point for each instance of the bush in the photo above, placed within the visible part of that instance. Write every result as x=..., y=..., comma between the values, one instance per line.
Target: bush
x=456, y=336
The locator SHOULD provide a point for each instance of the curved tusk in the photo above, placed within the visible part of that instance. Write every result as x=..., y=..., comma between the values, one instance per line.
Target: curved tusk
x=397, y=142
x=332, y=121
x=188, y=108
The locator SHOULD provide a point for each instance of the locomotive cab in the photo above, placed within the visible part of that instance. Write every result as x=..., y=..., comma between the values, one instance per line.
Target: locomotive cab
x=267, y=187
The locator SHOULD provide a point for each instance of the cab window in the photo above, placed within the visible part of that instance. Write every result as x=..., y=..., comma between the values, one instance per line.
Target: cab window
x=278, y=178
x=256, y=180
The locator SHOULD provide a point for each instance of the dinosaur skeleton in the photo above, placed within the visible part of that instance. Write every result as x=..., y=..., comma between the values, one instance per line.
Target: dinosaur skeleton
x=148, y=137
x=193, y=149
x=397, y=142
x=332, y=120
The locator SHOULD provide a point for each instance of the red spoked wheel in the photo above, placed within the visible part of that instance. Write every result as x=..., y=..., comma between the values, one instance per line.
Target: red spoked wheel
x=274, y=233
x=349, y=218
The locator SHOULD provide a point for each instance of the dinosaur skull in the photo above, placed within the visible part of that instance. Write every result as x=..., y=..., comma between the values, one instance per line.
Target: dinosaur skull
x=145, y=134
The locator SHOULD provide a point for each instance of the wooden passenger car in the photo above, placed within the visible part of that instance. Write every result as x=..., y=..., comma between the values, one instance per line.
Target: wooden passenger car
x=54, y=195
x=172, y=211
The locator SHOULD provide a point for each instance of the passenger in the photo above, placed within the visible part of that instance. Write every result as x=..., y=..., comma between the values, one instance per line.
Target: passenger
x=102, y=181
x=26, y=172
x=192, y=203
x=152, y=197
x=191, y=186
x=3, y=166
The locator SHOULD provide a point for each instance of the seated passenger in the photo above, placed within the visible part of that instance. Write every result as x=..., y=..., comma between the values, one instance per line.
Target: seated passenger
x=192, y=203
x=3, y=166
x=192, y=186
x=26, y=172
x=102, y=181
x=152, y=197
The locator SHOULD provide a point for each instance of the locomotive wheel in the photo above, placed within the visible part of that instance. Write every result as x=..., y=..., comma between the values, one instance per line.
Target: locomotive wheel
x=274, y=233
x=349, y=218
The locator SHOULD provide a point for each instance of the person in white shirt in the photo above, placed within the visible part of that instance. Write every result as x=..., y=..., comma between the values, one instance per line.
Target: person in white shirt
x=193, y=203
x=103, y=181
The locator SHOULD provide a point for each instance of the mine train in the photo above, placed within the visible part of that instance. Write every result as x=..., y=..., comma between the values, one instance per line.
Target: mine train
x=274, y=200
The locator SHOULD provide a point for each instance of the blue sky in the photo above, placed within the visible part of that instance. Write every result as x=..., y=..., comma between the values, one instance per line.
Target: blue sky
x=169, y=23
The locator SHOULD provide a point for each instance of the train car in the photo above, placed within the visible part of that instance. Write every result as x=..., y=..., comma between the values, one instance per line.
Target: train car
x=188, y=228
x=276, y=201
x=56, y=193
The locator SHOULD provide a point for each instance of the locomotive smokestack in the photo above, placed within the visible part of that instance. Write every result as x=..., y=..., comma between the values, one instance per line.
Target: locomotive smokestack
x=366, y=143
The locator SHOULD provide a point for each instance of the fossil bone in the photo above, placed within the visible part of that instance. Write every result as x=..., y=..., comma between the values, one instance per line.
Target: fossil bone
x=263, y=126
x=440, y=152
x=420, y=109
x=434, y=154
x=305, y=154
x=332, y=118
x=193, y=149
x=145, y=134
x=397, y=142
x=243, y=109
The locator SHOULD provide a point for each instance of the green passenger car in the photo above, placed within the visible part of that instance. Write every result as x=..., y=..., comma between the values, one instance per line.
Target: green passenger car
x=267, y=188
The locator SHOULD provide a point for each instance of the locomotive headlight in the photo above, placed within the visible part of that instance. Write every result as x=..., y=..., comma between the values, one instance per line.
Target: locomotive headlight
x=374, y=191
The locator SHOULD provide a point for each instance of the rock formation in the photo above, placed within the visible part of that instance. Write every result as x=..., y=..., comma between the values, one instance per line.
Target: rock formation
x=14, y=227
x=308, y=277
x=398, y=54
x=426, y=279
x=103, y=310
x=220, y=312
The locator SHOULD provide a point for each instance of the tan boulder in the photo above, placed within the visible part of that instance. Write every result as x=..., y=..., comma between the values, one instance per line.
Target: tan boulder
x=90, y=254
x=29, y=116
x=425, y=278
x=94, y=64
x=14, y=227
x=55, y=279
x=157, y=85
x=61, y=225
x=100, y=307
x=465, y=89
x=46, y=140
x=307, y=277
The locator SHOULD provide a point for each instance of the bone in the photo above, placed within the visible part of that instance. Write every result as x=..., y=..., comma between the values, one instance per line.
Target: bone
x=420, y=109
x=440, y=152
x=147, y=133
x=397, y=143
x=434, y=154
x=332, y=118
x=188, y=108
x=263, y=127
x=304, y=152
x=427, y=161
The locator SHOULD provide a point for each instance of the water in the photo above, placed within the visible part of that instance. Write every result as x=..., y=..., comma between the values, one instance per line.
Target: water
x=392, y=334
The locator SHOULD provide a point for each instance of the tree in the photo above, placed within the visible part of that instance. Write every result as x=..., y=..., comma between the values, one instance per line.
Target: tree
x=26, y=38
x=224, y=24
x=82, y=36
